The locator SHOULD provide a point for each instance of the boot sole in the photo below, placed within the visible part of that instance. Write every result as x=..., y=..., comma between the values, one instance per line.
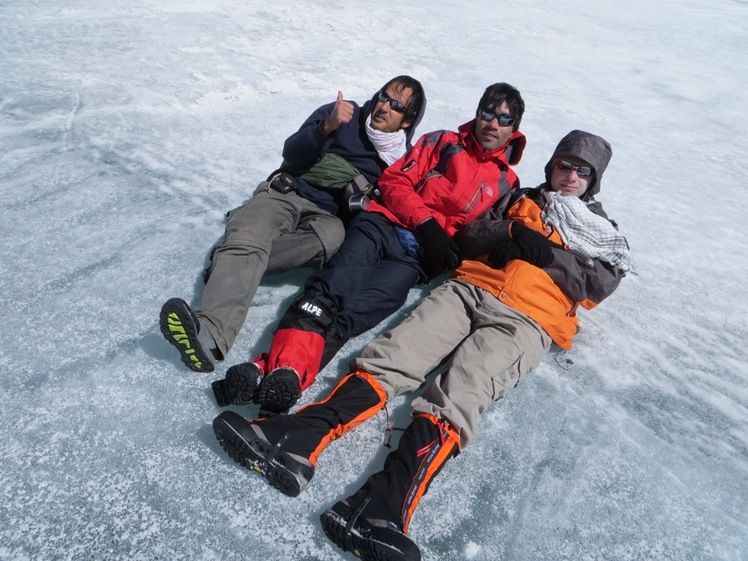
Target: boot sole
x=242, y=381
x=279, y=391
x=367, y=548
x=240, y=385
x=248, y=451
x=179, y=328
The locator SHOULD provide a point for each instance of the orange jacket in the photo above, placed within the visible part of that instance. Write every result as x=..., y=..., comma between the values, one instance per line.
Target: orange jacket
x=524, y=286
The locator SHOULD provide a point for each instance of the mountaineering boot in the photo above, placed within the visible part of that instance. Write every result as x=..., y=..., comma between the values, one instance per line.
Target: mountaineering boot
x=371, y=539
x=373, y=522
x=279, y=390
x=181, y=327
x=284, y=449
x=240, y=385
x=250, y=446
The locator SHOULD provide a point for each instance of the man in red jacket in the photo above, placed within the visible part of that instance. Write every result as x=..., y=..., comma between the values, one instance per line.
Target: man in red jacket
x=443, y=183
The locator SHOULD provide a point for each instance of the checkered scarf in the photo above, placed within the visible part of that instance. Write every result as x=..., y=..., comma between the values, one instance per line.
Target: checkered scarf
x=584, y=231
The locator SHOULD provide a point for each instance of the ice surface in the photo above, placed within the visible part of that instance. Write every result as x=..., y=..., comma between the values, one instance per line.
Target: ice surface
x=127, y=129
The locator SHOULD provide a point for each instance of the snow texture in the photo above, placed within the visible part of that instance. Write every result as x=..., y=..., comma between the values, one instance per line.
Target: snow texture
x=127, y=129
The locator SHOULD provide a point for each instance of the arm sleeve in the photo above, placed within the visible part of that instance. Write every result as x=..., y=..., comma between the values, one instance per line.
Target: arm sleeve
x=399, y=184
x=305, y=147
x=479, y=237
x=483, y=233
x=582, y=278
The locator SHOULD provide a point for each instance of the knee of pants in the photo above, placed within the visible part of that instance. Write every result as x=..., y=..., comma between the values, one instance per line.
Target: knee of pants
x=330, y=232
x=313, y=311
x=243, y=245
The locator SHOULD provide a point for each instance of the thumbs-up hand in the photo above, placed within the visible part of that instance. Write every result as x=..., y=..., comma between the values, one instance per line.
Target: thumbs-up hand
x=342, y=113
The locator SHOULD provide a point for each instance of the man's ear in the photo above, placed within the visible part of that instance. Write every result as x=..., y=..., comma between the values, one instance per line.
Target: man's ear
x=406, y=124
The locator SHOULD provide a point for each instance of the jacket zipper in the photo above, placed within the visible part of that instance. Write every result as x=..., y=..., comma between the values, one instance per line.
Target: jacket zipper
x=473, y=200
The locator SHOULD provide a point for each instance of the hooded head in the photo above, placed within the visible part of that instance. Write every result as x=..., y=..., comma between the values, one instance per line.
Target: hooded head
x=416, y=105
x=583, y=147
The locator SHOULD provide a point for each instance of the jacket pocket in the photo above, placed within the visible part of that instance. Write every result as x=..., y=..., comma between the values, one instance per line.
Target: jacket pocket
x=473, y=201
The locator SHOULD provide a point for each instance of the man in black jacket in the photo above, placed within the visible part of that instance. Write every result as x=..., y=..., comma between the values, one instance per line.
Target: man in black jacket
x=294, y=218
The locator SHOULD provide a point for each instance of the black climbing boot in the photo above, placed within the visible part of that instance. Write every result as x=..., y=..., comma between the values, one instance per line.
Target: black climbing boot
x=284, y=449
x=373, y=523
x=240, y=385
x=181, y=327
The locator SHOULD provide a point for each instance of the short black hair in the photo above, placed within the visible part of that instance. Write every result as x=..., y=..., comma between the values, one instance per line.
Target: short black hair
x=497, y=94
x=416, y=98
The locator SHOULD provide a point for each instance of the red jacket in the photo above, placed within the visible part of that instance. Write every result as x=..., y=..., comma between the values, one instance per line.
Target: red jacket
x=447, y=176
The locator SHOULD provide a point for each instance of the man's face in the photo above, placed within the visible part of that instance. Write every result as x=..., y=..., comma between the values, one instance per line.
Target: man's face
x=384, y=118
x=491, y=134
x=571, y=176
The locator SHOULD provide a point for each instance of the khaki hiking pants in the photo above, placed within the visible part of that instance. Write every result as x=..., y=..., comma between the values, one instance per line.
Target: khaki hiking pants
x=271, y=233
x=488, y=346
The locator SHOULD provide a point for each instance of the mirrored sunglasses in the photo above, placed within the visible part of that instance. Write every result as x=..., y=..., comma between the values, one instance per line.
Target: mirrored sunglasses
x=489, y=115
x=395, y=105
x=582, y=171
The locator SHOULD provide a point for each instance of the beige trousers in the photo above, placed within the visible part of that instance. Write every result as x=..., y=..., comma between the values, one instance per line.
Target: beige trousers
x=484, y=347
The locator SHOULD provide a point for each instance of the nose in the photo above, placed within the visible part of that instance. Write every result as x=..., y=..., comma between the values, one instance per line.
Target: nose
x=494, y=122
x=570, y=172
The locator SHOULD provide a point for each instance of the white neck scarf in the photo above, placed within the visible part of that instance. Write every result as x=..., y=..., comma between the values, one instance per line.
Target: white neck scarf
x=585, y=231
x=389, y=145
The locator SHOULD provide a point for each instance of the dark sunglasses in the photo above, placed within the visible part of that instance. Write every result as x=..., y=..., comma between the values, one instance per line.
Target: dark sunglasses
x=489, y=115
x=395, y=105
x=582, y=171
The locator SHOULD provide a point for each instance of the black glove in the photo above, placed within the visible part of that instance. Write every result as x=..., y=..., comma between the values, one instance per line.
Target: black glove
x=439, y=250
x=535, y=248
x=502, y=253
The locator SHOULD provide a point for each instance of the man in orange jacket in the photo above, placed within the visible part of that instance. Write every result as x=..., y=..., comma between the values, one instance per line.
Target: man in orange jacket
x=530, y=263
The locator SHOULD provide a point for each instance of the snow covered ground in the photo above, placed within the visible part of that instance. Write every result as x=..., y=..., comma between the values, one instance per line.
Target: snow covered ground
x=127, y=129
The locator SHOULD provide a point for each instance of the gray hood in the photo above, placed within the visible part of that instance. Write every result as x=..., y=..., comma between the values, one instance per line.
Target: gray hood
x=594, y=150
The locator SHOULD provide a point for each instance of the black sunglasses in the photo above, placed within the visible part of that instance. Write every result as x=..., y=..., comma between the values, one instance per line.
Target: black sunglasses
x=395, y=105
x=489, y=115
x=582, y=171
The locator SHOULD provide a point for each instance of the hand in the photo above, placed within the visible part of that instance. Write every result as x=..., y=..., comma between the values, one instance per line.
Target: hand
x=342, y=113
x=439, y=250
x=502, y=253
x=534, y=247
